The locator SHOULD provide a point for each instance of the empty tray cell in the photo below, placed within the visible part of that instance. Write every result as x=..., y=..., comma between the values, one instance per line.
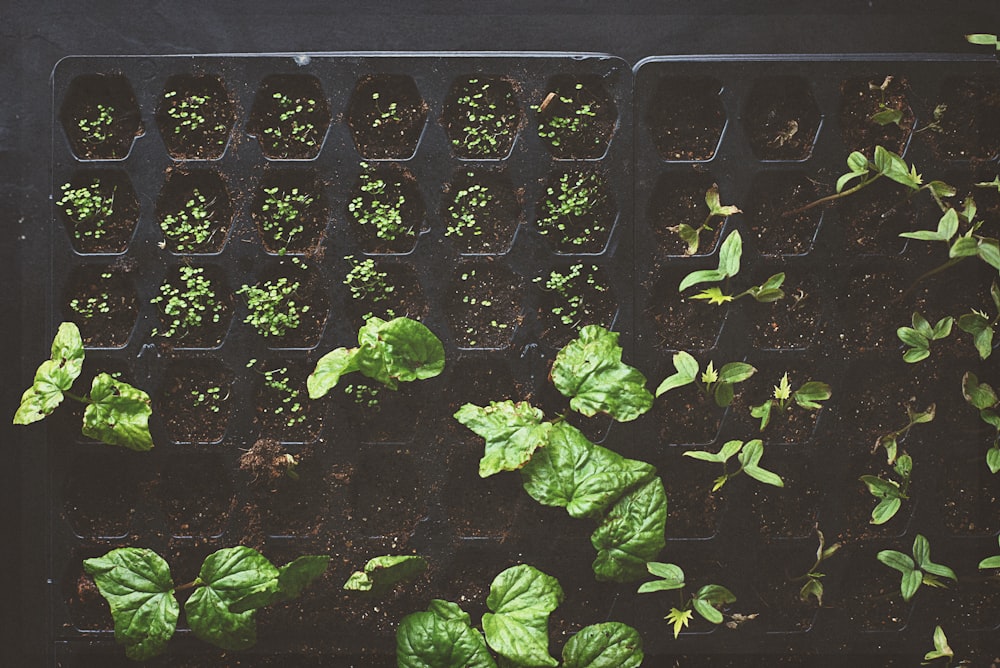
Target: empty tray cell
x=487, y=508
x=685, y=118
x=969, y=493
x=99, y=210
x=572, y=296
x=481, y=117
x=195, y=117
x=680, y=323
x=390, y=495
x=291, y=211
x=780, y=571
x=288, y=307
x=194, y=306
x=870, y=597
x=195, y=400
x=383, y=288
x=781, y=118
x=679, y=217
x=194, y=211
x=481, y=210
x=693, y=509
x=795, y=322
x=386, y=116
x=776, y=224
x=101, y=494
x=284, y=410
x=196, y=494
x=100, y=117
x=577, y=212
x=964, y=125
x=871, y=305
x=479, y=380
x=875, y=111
x=687, y=415
x=385, y=210
x=290, y=117
x=484, y=307
x=101, y=300
x=794, y=510
x=576, y=117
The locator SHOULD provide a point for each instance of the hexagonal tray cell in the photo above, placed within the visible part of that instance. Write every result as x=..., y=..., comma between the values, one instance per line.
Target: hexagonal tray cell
x=781, y=118
x=195, y=117
x=86, y=608
x=679, y=323
x=99, y=209
x=385, y=210
x=481, y=209
x=477, y=380
x=484, y=304
x=196, y=494
x=291, y=211
x=376, y=414
x=288, y=306
x=969, y=494
x=793, y=512
x=871, y=308
x=693, y=508
x=577, y=212
x=792, y=323
x=794, y=424
x=390, y=496
x=571, y=297
x=284, y=410
x=383, y=288
x=876, y=215
x=685, y=118
x=290, y=117
x=101, y=300
x=100, y=117
x=101, y=493
x=875, y=111
x=194, y=307
x=963, y=125
x=481, y=117
x=679, y=199
x=576, y=117
x=387, y=116
x=686, y=415
x=775, y=230
x=194, y=401
x=776, y=594
x=194, y=211
x=870, y=596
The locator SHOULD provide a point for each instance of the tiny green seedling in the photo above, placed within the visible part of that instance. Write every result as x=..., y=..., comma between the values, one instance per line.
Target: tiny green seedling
x=574, y=116
x=89, y=208
x=941, y=649
x=273, y=308
x=812, y=580
x=282, y=212
x=389, y=114
x=380, y=206
x=188, y=304
x=990, y=562
x=294, y=111
x=890, y=441
x=571, y=201
x=96, y=129
x=885, y=115
x=716, y=384
x=116, y=413
x=290, y=405
x=366, y=283
x=483, y=124
x=920, y=335
x=188, y=113
x=748, y=455
x=232, y=584
x=381, y=574
x=691, y=235
x=95, y=305
x=807, y=396
x=981, y=326
x=890, y=494
x=729, y=265
x=467, y=205
x=191, y=227
x=706, y=601
x=983, y=39
x=918, y=570
x=570, y=287
x=983, y=398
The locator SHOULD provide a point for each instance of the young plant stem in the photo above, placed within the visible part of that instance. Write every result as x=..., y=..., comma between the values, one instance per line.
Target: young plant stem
x=927, y=274
x=831, y=198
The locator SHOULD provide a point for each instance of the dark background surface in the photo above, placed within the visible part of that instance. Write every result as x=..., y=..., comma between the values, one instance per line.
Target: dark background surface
x=35, y=35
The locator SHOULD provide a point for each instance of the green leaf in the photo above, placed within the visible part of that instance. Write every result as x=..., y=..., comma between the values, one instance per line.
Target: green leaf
x=728, y=449
x=814, y=588
x=729, y=254
x=688, y=235
x=736, y=372
x=880, y=489
x=991, y=562
x=713, y=295
x=896, y=560
x=763, y=412
x=982, y=39
x=724, y=394
x=679, y=619
x=891, y=165
x=749, y=458
x=54, y=376
x=521, y=599
x=137, y=586
x=995, y=183
x=293, y=578
x=118, y=414
x=513, y=431
x=942, y=189
x=631, y=534
x=382, y=573
x=858, y=166
x=589, y=370
x=988, y=251
x=993, y=459
x=573, y=473
x=686, y=368
x=227, y=576
x=914, y=355
x=942, y=328
x=607, y=645
x=911, y=337
x=979, y=395
x=941, y=648
x=700, y=276
x=329, y=369
x=887, y=117
x=910, y=583
x=707, y=598
x=885, y=510
x=714, y=203
x=671, y=577
x=923, y=235
x=810, y=394
x=921, y=550
x=921, y=326
x=432, y=640
x=978, y=325
x=963, y=247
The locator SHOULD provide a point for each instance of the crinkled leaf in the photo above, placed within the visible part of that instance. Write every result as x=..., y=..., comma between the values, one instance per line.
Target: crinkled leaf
x=979, y=395
x=689, y=236
x=521, y=599
x=897, y=560
x=813, y=587
x=53, y=376
x=891, y=165
x=857, y=164
x=631, y=534
x=714, y=203
x=589, y=370
x=573, y=473
x=381, y=573
x=988, y=251
x=137, y=586
x=293, y=578
x=810, y=394
x=686, y=367
x=607, y=645
x=329, y=369
x=713, y=295
x=431, y=640
x=118, y=414
x=513, y=431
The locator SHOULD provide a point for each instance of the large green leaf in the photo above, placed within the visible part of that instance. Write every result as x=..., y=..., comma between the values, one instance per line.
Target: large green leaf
x=631, y=534
x=607, y=645
x=513, y=431
x=53, y=376
x=573, y=473
x=521, y=598
x=118, y=414
x=440, y=638
x=329, y=369
x=136, y=583
x=589, y=370
x=381, y=573
x=293, y=578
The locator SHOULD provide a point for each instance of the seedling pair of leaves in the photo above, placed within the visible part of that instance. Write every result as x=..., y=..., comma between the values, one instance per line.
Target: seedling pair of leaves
x=960, y=246
x=890, y=442
x=391, y=352
x=984, y=398
x=918, y=570
x=116, y=413
x=716, y=384
x=560, y=467
x=920, y=335
x=748, y=455
x=381, y=574
x=886, y=115
x=941, y=649
x=520, y=601
x=706, y=601
x=813, y=579
x=232, y=584
x=807, y=396
x=980, y=325
x=716, y=209
x=730, y=253
x=889, y=492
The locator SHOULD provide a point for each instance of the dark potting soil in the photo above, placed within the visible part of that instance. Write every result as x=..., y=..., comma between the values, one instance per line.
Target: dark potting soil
x=275, y=405
x=775, y=592
x=781, y=118
x=792, y=425
x=692, y=506
x=870, y=597
x=405, y=298
x=863, y=98
x=101, y=495
x=88, y=610
x=481, y=117
x=794, y=510
x=775, y=229
x=792, y=323
x=188, y=198
x=488, y=508
x=209, y=334
x=197, y=496
x=306, y=230
x=677, y=199
x=877, y=214
x=290, y=117
x=483, y=306
x=686, y=118
x=580, y=114
x=386, y=116
x=195, y=117
x=194, y=401
x=101, y=300
x=686, y=416
x=970, y=494
x=377, y=414
x=110, y=227
x=100, y=116
x=486, y=228
x=871, y=307
x=679, y=323
x=968, y=126
x=397, y=200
